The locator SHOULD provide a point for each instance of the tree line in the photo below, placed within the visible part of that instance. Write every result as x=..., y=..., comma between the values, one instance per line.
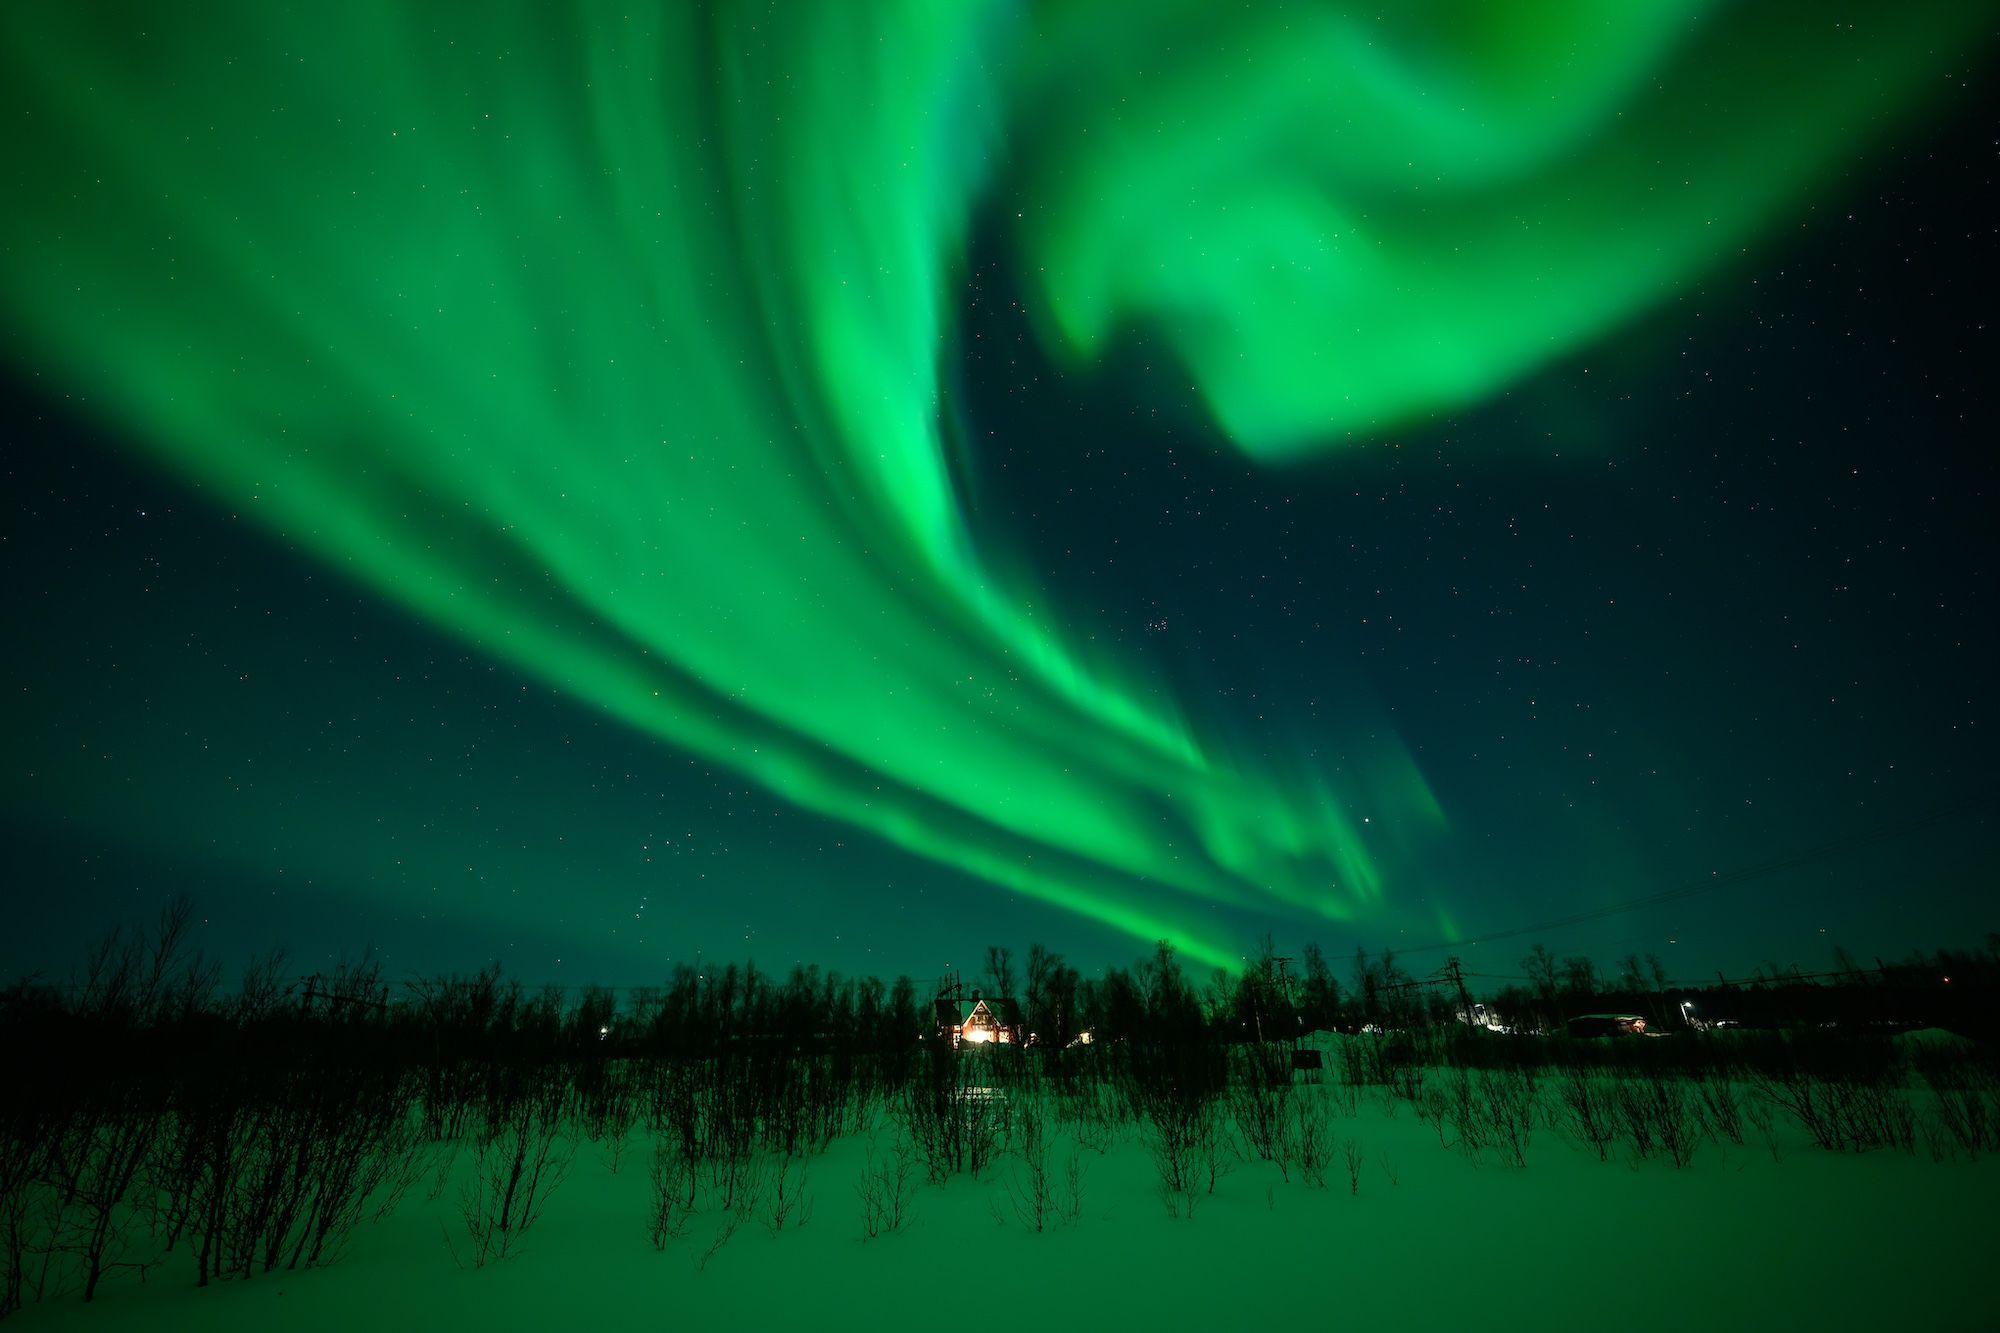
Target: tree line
x=153, y=1115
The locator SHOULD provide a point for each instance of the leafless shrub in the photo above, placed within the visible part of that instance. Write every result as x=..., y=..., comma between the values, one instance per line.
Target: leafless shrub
x=1215, y=1160
x=1344, y=1098
x=1069, y=1199
x=1354, y=1155
x=1260, y=1099
x=1354, y=1063
x=753, y=1187
x=1655, y=1110
x=1308, y=1139
x=887, y=1186
x=1178, y=1088
x=1496, y=1110
x=15, y=1240
x=953, y=1118
x=787, y=1200
x=1040, y=1192
x=1965, y=1109
x=723, y=1235
x=1937, y=1140
x=614, y=1132
x=1758, y=1113
x=1971, y=1118
x=438, y=1175
x=415, y=1169
x=1851, y=1114
x=1460, y=1104
x=1435, y=1107
x=1094, y=1113
x=1182, y=1139
x=76, y=1161
x=1512, y=1107
x=1031, y=1188
x=21, y=1157
x=728, y=1144
x=1585, y=1110
x=671, y=1200
x=1405, y=1083
x=523, y=1161
x=1720, y=1111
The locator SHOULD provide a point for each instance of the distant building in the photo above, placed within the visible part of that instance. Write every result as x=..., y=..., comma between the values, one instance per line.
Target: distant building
x=978, y=1021
x=1479, y=1016
x=1607, y=1025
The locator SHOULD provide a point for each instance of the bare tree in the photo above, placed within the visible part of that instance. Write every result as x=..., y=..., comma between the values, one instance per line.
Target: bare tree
x=999, y=975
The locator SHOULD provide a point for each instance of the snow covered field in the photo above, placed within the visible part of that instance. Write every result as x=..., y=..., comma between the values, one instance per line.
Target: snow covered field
x=1430, y=1238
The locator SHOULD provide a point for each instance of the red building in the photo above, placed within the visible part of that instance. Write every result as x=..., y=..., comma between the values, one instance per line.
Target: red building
x=980, y=1021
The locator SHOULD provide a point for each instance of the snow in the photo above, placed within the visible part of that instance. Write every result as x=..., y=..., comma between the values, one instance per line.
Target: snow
x=1432, y=1238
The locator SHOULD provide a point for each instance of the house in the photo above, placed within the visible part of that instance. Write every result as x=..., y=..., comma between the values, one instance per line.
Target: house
x=1480, y=1016
x=977, y=1021
x=1607, y=1025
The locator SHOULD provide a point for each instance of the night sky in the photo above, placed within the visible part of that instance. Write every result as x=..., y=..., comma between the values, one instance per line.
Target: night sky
x=595, y=494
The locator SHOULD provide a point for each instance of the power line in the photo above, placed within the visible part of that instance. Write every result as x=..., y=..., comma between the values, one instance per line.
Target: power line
x=1705, y=983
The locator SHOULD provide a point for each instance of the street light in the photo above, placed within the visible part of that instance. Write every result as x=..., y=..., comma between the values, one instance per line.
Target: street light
x=1687, y=1012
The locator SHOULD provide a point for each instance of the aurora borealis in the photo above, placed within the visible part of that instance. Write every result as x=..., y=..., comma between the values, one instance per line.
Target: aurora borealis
x=630, y=348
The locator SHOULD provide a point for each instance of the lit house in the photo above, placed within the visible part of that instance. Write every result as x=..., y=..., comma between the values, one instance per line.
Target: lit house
x=1607, y=1025
x=978, y=1021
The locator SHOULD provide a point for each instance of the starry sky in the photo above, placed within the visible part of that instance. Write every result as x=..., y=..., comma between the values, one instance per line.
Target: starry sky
x=595, y=489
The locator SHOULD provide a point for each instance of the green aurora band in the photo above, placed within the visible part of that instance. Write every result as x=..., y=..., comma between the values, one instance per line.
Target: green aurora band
x=609, y=338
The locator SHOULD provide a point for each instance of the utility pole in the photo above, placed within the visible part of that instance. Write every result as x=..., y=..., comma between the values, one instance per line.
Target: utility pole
x=1456, y=975
x=1284, y=965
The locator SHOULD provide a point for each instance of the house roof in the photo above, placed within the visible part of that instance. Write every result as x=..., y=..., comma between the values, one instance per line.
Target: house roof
x=955, y=1013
